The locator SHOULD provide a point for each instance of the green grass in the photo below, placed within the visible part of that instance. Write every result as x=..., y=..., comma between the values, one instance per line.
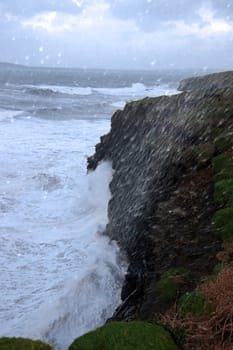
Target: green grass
x=194, y=303
x=126, y=336
x=223, y=224
x=224, y=141
x=225, y=174
x=22, y=344
x=170, y=282
x=223, y=194
x=223, y=163
x=218, y=268
x=223, y=191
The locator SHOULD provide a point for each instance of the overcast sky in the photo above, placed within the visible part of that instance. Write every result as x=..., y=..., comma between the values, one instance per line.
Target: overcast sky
x=118, y=33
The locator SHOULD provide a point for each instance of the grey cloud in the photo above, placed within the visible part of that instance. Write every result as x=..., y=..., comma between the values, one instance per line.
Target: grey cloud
x=151, y=13
x=31, y=7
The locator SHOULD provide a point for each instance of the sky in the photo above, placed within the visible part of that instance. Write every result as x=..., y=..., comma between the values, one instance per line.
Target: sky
x=118, y=34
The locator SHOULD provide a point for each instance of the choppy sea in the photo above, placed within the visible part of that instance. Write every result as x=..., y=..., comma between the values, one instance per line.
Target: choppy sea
x=60, y=277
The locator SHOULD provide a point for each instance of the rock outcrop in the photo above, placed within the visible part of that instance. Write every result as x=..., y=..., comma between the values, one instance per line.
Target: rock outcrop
x=215, y=80
x=162, y=201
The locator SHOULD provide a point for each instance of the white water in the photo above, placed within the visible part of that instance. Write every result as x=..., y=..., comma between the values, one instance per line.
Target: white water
x=59, y=276
x=136, y=90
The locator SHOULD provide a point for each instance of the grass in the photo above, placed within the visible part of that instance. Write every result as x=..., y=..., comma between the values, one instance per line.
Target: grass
x=194, y=303
x=223, y=224
x=224, y=141
x=126, y=336
x=22, y=344
x=223, y=192
x=223, y=163
x=170, y=282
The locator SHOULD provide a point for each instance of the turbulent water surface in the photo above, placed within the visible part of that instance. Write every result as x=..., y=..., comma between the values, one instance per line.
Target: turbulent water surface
x=60, y=277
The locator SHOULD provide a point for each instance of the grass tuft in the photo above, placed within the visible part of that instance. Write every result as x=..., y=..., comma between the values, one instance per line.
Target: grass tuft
x=126, y=336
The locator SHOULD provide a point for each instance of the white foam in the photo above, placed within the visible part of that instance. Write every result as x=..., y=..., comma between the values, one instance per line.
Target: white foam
x=70, y=90
x=119, y=104
x=60, y=276
x=137, y=90
x=8, y=116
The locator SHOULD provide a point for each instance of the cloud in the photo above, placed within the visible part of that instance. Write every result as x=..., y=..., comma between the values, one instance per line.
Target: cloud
x=26, y=8
x=94, y=20
x=117, y=33
x=207, y=26
x=150, y=14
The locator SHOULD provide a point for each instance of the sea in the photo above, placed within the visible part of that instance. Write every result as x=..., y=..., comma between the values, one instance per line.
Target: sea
x=60, y=275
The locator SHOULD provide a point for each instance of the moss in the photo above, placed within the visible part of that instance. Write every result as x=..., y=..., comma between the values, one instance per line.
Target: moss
x=126, y=336
x=170, y=282
x=225, y=174
x=223, y=162
x=178, y=334
x=223, y=192
x=223, y=224
x=22, y=344
x=195, y=303
x=224, y=141
x=218, y=268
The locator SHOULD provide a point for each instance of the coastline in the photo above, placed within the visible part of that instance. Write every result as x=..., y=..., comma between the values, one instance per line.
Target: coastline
x=170, y=213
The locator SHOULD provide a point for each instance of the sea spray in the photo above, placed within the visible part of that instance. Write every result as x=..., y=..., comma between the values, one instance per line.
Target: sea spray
x=89, y=295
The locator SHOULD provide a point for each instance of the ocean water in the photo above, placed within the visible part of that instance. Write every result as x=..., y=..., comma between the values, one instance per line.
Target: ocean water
x=60, y=276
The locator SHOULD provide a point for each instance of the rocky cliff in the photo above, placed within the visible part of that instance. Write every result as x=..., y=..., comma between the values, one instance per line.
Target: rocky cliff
x=162, y=205
x=215, y=80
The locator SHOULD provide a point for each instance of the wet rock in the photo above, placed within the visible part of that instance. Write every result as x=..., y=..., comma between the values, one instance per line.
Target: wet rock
x=162, y=202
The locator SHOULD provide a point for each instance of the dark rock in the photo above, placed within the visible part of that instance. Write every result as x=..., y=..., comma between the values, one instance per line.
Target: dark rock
x=162, y=189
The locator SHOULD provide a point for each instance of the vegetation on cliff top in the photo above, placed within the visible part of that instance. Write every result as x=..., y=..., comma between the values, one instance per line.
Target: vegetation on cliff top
x=22, y=344
x=126, y=336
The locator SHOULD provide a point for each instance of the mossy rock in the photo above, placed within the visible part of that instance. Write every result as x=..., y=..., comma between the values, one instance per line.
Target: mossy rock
x=170, y=282
x=195, y=303
x=22, y=344
x=224, y=141
x=223, y=162
x=126, y=336
x=223, y=224
x=223, y=192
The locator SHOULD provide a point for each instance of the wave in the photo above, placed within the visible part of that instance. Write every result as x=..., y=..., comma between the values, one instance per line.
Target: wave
x=8, y=116
x=45, y=90
x=135, y=90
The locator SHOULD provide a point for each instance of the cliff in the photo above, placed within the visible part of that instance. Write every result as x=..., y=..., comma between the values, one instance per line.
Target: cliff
x=215, y=80
x=163, y=190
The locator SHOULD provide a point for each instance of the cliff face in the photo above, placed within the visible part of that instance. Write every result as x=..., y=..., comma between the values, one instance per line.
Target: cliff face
x=162, y=200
